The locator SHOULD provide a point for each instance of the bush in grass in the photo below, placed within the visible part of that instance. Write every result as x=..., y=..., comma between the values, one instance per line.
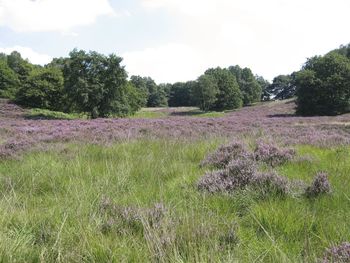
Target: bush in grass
x=338, y=254
x=125, y=218
x=268, y=183
x=226, y=153
x=237, y=174
x=272, y=154
x=320, y=185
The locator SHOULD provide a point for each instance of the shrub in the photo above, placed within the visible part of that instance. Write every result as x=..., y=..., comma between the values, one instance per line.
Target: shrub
x=320, y=185
x=272, y=154
x=226, y=153
x=237, y=174
x=124, y=218
x=339, y=253
x=268, y=183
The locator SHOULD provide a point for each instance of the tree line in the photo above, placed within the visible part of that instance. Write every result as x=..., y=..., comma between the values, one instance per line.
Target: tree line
x=96, y=84
x=321, y=87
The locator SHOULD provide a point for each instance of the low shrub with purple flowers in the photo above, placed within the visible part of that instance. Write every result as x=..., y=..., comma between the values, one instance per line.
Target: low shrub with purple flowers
x=338, y=254
x=124, y=218
x=267, y=183
x=320, y=185
x=225, y=154
x=236, y=175
x=241, y=169
x=273, y=155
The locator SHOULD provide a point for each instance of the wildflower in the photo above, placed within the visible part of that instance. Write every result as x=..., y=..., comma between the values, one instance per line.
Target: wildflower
x=272, y=154
x=340, y=253
x=224, y=154
x=320, y=185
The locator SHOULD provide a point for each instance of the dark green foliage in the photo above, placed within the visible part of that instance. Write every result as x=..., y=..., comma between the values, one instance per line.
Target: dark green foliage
x=249, y=86
x=281, y=88
x=42, y=89
x=140, y=84
x=14, y=71
x=181, y=94
x=135, y=97
x=20, y=66
x=153, y=95
x=343, y=50
x=264, y=84
x=158, y=96
x=205, y=92
x=9, y=81
x=96, y=84
x=229, y=95
x=323, y=85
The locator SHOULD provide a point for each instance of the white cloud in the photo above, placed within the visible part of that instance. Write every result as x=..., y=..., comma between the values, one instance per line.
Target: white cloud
x=168, y=63
x=271, y=36
x=28, y=53
x=51, y=15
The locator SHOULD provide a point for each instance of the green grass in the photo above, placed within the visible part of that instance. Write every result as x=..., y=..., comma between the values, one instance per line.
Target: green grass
x=145, y=113
x=53, y=115
x=152, y=113
x=50, y=207
x=142, y=114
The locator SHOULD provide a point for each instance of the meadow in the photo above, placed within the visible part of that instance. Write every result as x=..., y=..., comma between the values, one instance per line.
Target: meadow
x=128, y=190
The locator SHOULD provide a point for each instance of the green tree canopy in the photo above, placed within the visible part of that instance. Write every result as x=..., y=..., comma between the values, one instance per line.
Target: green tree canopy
x=249, y=86
x=181, y=94
x=282, y=87
x=229, y=95
x=42, y=89
x=155, y=95
x=323, y=85
x=205, y=92
x=96, y=84
x=20, y=66
x=9, y=82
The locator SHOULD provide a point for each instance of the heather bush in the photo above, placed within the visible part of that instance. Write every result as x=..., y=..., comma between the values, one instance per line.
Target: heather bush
x=237, y=174
x=125, y=218
x=268, y=183
x=226, y=153
x=338, y=254
x=216, y=181
x=272, y=154
x=320, y=185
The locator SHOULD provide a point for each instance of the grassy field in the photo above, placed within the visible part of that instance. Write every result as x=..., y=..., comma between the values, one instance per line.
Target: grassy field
x=150, y=113
x=144, y=113
x=137, y=201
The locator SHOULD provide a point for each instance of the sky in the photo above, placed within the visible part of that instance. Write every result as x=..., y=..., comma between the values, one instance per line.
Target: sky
x=177, y=40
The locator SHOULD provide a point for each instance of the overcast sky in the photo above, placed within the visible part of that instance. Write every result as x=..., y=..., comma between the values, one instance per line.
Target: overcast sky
x=177, y=40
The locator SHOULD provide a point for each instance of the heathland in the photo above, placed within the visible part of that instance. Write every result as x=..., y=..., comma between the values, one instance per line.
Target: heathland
x=258, y=184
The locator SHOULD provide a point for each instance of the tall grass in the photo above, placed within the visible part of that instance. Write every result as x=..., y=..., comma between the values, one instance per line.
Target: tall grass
x=51, y=207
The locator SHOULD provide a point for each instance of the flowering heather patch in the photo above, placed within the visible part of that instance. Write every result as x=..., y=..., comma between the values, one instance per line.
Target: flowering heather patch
x=216, y=181
x=320, y=185
x=270, y=183
x=338, y=254
x=272, y=154
x=226, y=153
x=130, y=217
x=271, y=121
x=237, y=174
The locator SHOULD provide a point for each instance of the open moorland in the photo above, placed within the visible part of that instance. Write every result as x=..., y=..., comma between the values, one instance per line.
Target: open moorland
x=253, y=185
